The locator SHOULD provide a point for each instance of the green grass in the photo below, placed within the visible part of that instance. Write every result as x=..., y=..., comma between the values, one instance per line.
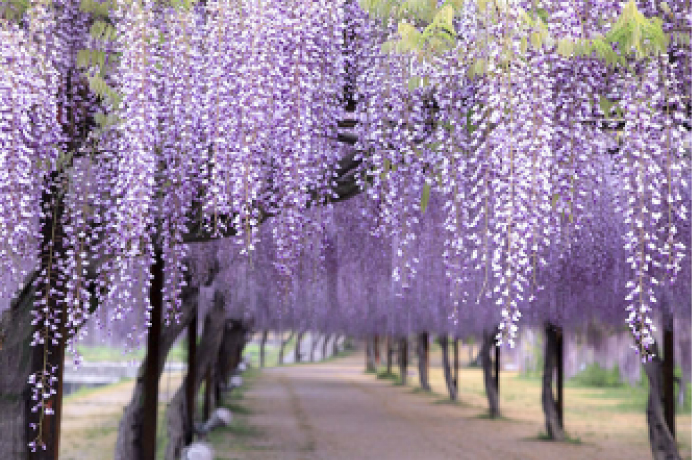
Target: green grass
x=240, y=434
x=112, y=354
x=86, y=391
x=543, y=436
x=387, y=376
x=594, y=375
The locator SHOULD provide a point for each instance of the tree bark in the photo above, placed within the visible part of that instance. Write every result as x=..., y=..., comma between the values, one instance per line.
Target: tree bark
x=553, y=424
x=15, y=362
x=371, y=361
x=663, y=446
x=324, y=346
x=456, y=367
x=263, y=344
x=335, y=345
x=315, y=340
x=488, y=377
x=128, y=443
x=296, y=351
x=150, y=401
x=403, y=359
x=283, y=346
x=230, y=352
x=422, y=349
x=449, y=380
x=669, y=373
x=390, y=353
x=207, y=356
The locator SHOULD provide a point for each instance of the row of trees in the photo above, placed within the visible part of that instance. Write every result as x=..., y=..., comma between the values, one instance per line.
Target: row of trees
x=549, y=156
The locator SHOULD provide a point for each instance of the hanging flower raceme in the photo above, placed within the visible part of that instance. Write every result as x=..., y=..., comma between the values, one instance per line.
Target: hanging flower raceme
x=29, y=137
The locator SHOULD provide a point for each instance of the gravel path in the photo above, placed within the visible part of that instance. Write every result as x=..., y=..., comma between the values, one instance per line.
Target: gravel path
x=333, y=411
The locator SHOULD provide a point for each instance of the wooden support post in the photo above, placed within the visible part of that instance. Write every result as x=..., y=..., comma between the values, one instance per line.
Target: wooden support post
x=151, y=373
x=559, y=361
x=669, y=374
x=456, y=364
x=497, y=370
x=191, y=377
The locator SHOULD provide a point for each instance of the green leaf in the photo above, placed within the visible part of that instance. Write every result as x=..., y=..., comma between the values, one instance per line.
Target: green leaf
x=425, y=198
x=411, y=38
x=605, y=105
x=565, y=47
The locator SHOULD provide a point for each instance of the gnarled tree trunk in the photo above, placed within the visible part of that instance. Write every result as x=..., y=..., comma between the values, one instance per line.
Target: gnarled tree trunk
x=491, y=390
x=449, y=379
x=422, y=349
x=128, y=443
x=553, y=422
x=663, y=446
x=208, y=352
x=15, y=362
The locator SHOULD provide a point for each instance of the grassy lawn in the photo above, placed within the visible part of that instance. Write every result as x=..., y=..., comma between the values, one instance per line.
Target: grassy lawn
x=610, y=414
x=240, y=435
x=99, y=353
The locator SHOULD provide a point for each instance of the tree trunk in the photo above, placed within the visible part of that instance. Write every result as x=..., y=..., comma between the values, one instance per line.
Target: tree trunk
x=128, y=443
x=669, y=373
x=488, y=377
x=390, y=352
x=296, y=351
x=324, y=346
x=263, y=344
x=371, y=361
x=449, y=380
x=403, y=359
x=315, y=340
x=15, y=362
x=231, y=350
x=553, y=422
x=663, y=446
x=456, y=367
x=422, y=349
x=221, y=348
x=283, y=346
x=210, y=342
x=335, y=345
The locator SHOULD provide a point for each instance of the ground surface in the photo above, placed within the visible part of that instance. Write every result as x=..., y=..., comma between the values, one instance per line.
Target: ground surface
x=91, y=417
x=333, y=411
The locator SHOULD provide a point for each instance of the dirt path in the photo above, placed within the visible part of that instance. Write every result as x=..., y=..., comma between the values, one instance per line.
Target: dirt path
x=332, y=411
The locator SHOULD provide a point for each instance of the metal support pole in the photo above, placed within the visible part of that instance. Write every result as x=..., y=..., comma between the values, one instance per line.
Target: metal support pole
x=191, y=378
x=151, y=373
